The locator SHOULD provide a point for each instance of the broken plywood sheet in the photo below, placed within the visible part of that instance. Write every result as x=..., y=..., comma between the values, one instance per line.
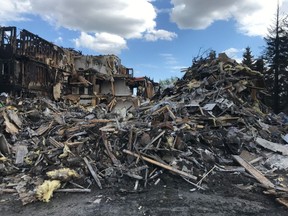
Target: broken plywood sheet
x=10, y=127
x=14, y=117
x=275, y=147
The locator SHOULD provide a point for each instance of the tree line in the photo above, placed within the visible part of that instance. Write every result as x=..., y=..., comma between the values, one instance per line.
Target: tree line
x=273, y=63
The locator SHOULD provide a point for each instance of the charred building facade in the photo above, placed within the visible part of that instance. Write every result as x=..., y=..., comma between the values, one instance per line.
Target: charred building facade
x=31, y=65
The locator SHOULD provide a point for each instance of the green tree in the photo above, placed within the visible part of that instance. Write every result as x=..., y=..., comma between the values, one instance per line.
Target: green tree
x=248, y=58
x=276, y=54
x=259, y=64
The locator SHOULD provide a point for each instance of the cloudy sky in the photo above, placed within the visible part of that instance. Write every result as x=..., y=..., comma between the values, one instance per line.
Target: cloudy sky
x=155, y=37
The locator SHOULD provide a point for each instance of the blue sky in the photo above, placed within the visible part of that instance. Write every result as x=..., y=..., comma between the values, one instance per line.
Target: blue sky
x=155, y=37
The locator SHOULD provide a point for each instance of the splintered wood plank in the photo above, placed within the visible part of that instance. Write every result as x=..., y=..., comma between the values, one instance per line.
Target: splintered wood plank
x=170, y=168
x=94, y=175
x=253, y=171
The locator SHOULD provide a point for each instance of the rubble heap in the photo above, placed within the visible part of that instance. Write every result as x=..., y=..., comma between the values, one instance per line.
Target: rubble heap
x=211, y=121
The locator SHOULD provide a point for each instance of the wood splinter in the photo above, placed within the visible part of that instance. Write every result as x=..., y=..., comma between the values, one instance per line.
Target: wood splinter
x=170, y=168
x=74, y=190
x=94, y=175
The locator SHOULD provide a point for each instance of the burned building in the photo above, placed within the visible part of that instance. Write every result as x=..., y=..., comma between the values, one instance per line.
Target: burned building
x=31, y=65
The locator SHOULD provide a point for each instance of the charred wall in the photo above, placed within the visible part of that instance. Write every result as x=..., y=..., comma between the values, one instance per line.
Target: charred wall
x=30, y=64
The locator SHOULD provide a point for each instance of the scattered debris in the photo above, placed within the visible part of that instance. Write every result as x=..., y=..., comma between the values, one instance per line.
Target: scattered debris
x=199, y=127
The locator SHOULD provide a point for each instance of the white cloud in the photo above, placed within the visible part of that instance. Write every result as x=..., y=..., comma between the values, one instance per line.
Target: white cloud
x=252, y=17
x=103, y=42
x=125, y=18
x=58, y=40
x=234, y=53
x=177, y=68
x=154, y=35
x=171, y=63
x=135, y=19
x=14, y=10
x=169, y=58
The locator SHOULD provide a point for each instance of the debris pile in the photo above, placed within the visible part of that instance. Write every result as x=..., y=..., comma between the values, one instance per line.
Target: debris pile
x=211, y=121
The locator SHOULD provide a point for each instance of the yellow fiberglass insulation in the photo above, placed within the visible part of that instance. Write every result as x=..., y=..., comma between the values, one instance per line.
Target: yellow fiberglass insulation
x=64, y=174
x=45, y=191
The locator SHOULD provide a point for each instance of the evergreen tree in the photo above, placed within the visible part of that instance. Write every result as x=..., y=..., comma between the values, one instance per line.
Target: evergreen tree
x=276, y=54
x=248, y=57
x=258, y=64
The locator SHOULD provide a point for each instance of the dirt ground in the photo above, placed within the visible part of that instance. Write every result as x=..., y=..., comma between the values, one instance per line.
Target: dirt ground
x=227, y=194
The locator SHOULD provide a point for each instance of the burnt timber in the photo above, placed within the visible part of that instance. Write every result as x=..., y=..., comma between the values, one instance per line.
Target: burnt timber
x=30, y=65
